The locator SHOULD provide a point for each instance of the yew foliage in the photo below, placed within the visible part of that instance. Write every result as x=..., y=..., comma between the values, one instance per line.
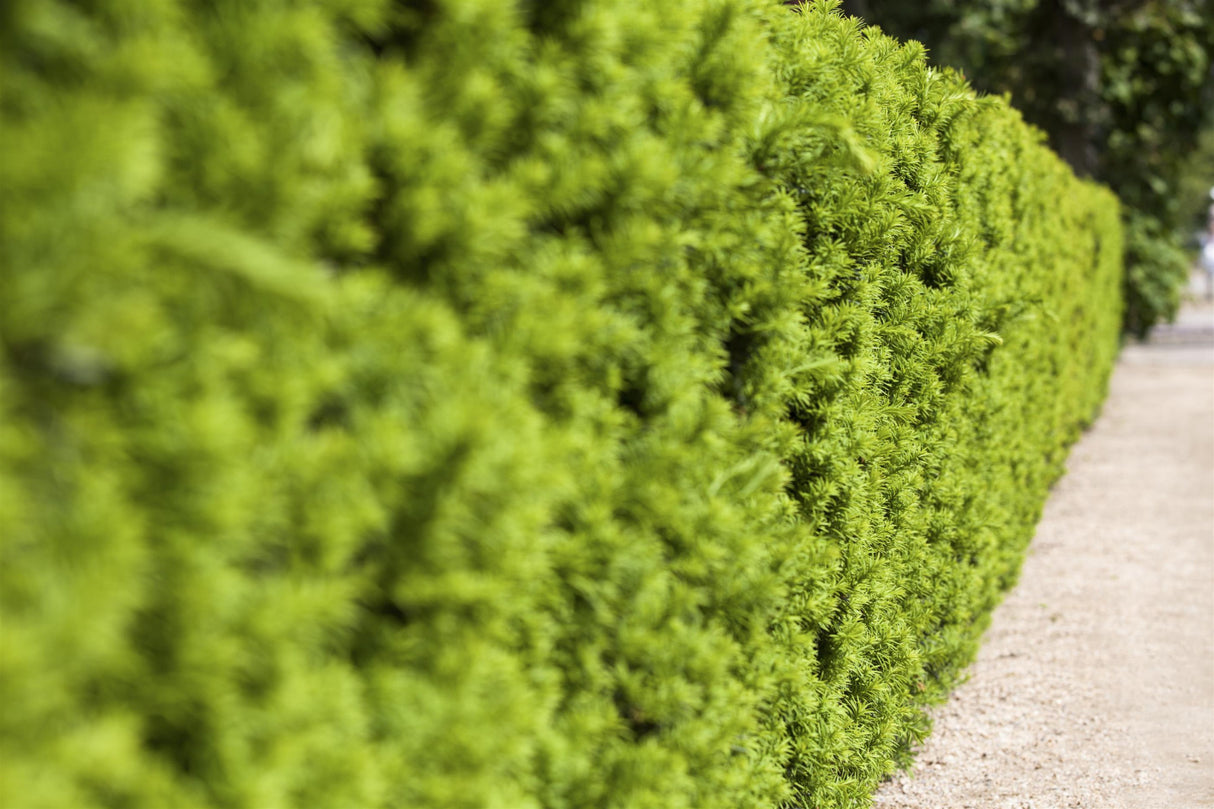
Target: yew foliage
x=484, y=404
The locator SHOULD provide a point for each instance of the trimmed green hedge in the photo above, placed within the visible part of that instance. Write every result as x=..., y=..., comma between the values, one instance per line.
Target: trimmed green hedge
x=482, y=404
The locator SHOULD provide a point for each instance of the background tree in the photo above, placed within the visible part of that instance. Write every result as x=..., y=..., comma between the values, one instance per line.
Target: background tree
x=1123, y=89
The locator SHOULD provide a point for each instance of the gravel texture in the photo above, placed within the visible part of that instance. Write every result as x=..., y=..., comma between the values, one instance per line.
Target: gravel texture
x=1094, y=687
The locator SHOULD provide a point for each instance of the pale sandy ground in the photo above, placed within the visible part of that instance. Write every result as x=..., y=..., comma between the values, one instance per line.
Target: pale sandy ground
x=1095, y=684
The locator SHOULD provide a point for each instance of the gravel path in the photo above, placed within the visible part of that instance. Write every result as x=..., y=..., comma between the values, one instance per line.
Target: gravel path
x=1094, y=687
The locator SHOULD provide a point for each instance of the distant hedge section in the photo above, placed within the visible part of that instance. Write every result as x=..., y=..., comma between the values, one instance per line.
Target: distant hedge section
x=474, y=403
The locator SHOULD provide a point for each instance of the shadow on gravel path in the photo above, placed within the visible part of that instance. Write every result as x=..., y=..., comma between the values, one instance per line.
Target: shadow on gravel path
x=1095, y=684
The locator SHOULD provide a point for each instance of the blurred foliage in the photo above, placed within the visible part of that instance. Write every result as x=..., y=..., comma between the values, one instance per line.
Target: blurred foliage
x=1195, y=187
x=476, y=404
x=1123, y=88
x=1157, y=269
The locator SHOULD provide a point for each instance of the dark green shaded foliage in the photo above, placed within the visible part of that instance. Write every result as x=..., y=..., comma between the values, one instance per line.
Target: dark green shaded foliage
x=1196, y=182
x=472, y=404
x=1157, y=270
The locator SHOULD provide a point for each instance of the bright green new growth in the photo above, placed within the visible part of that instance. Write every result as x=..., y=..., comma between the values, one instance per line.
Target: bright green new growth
x=475, y=404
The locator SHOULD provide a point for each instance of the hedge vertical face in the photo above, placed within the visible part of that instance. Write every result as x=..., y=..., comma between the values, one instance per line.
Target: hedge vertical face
x=480, y=404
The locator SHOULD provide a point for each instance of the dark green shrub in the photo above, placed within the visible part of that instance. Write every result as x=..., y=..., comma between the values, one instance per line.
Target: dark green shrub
x=1157, y=270
x=474, y=404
